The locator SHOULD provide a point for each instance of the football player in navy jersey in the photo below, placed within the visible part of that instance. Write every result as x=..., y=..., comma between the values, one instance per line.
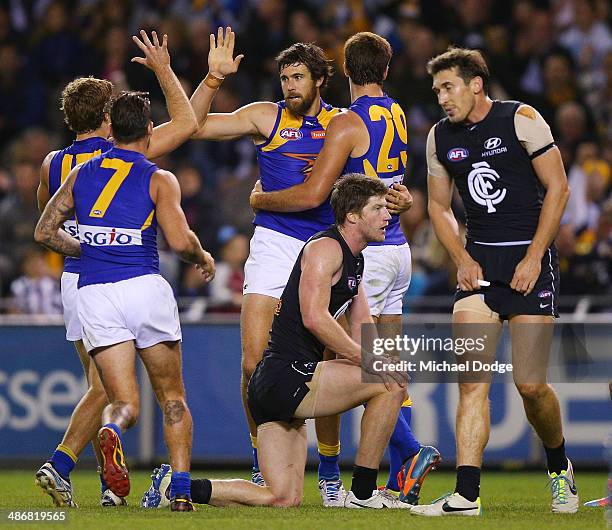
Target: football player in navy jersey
x=502, y=158
x=294, y=382
x=85, y=104
x=370, y=138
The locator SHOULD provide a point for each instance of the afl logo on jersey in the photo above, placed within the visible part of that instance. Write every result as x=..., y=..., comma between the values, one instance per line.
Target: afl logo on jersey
x=481, y=188
x=457, y=154
x=290, y=133
x=492, y=143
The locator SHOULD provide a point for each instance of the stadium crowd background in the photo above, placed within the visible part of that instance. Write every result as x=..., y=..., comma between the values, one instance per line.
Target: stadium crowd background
x=555, y=55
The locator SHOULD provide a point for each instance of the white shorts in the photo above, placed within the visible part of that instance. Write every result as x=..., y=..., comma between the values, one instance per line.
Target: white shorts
x=271, y=259
x=386, y=277
x=74, y=330
x=142, y=309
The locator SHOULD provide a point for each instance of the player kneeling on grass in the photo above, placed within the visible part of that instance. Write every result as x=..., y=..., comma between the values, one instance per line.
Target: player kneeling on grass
x=293, y=383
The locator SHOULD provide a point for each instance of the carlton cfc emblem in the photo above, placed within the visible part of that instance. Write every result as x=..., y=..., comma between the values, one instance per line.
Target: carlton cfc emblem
x=481, y=188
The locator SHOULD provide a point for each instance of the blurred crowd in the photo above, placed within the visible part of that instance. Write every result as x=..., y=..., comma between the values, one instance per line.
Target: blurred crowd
x=553, y=54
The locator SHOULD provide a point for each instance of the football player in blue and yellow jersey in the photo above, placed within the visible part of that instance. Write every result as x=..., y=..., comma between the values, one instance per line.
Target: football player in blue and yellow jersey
x=288, y=136
x=124, y=304
x=85, y=104
x=371, y=138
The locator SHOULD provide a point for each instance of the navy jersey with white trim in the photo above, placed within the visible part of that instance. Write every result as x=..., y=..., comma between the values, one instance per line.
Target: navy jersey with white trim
x=62, y=163
x=386, y=157
x=116, y=217
x=285, y=160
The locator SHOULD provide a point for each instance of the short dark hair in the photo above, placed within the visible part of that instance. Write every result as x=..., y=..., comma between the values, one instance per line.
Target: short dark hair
x=311, y=56
x=367, y=57
x=469, y=63
x=351, y=193
x=130, y=115
x=84, y=102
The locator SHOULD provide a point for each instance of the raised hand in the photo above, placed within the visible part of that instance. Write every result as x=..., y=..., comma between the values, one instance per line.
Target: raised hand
x=156, y=54
x=220, y=57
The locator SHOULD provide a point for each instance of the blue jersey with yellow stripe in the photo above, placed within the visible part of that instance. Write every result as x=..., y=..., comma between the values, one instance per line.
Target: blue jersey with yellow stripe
x=62, y=163
x=285, y=160
x=116, y=217
x=386, y=156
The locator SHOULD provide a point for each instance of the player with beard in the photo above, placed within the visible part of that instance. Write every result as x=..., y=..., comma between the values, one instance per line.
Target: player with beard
x=371, y=138
x=288, y=136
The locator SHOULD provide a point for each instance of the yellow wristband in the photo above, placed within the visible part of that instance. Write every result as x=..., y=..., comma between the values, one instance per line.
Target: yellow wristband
x=212, y=81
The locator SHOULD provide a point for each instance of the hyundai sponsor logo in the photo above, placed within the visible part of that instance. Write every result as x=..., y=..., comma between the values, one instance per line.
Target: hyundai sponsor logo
x=492, y=143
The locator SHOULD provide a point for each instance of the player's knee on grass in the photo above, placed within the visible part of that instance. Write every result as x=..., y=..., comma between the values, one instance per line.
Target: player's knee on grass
x=286, y=500
x=532, y=391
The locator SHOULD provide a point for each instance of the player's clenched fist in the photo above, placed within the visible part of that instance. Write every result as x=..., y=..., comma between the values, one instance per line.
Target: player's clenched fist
x=207, y=266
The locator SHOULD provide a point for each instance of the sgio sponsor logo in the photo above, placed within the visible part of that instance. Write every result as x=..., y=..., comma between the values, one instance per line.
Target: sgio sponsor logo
x=105, y=236
x=72, y=228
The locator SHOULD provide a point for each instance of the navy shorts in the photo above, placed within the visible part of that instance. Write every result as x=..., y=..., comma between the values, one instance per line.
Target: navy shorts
x=277, y=388
x=498, y=264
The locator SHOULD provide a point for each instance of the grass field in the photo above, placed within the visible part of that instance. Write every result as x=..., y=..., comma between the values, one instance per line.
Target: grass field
x=511, y=500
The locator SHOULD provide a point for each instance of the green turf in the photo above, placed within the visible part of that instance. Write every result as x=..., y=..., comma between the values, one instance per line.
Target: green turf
x=511, y=500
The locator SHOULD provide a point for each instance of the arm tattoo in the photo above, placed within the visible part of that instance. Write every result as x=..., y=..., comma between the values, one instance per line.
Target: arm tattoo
x=173, y=412
x=49, y=228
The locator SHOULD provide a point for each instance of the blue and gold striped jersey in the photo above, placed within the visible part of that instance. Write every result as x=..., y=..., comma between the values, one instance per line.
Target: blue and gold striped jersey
x=61, y=164
x=285, y=160
x=386, y=157
x=116, y=217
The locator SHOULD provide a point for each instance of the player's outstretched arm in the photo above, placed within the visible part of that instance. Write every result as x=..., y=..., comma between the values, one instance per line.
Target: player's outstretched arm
x=255, y=120
x=221, y=63
x=49, y=231
x=182, y=124
x=166, y=194
x=340, y=140
x=321, y=265
x=42, y=193
x=551, y=173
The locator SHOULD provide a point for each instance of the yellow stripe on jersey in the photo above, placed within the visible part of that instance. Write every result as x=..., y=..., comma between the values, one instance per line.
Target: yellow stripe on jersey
x=407, y=402
x=84, y=157
x=122, y=168
x=287, y=120
x=66, y=167
x=80, y=158
x=149, y=220
x=325, y=116
x=369, y=170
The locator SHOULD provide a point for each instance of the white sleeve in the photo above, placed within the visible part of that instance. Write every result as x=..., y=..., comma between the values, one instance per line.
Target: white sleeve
x=434, y=166
x=532, y=130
